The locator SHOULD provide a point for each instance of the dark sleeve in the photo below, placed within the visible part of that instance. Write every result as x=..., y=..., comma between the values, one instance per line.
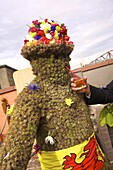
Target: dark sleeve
x=100, y=95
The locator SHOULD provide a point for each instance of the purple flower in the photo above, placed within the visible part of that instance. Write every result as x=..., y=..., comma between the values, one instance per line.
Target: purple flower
x=37, y=37
x=36, y=148
x=33, y=87
x=53, y=27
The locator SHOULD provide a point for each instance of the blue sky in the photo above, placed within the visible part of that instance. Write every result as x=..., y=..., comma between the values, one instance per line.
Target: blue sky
x=89, y=25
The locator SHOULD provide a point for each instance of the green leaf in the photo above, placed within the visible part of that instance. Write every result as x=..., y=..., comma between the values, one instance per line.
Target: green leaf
x=106, y=115
x=109, y=119
x=102, y=117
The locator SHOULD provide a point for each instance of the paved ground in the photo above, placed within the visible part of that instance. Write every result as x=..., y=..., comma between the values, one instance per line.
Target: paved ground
x=34, y=164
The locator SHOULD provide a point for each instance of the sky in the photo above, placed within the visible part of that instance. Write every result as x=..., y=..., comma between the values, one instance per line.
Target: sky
x=89, y=24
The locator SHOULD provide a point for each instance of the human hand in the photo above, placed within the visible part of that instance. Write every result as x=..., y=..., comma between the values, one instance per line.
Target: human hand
x=84, y=89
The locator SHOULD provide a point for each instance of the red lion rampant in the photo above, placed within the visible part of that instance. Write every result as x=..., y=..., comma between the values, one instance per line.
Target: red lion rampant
x=90, y=162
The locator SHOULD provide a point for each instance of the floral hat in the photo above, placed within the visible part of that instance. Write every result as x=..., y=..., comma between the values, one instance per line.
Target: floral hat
x=46, y=32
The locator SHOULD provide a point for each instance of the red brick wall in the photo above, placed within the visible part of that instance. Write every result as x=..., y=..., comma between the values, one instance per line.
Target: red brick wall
x=10, y=94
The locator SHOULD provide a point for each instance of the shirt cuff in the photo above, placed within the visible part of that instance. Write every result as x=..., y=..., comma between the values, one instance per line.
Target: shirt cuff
x=88, y=96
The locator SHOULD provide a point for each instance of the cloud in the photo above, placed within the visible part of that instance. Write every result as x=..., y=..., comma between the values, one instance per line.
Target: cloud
x=89, y=25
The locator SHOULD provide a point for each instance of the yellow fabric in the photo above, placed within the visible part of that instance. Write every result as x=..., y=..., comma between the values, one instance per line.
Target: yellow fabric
x=87, y=155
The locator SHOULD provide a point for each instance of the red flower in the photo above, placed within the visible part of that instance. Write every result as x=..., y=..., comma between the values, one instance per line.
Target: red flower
x=45, y=40
x=35, y=22
x=58, y=41
x=46, y=20
x=67, y=38
x=33, y=29
x=56, y=24
x=63, y=30
x=40, y=32
x=25, y=41
x=70, y=42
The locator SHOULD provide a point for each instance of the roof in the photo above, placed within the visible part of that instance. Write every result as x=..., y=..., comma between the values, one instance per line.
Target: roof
x=5, y=90
x=103, y=60
x=6, y=66
x=94, y=66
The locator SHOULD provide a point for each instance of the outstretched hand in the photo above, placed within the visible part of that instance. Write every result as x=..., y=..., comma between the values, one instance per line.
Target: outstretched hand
x=85, y=89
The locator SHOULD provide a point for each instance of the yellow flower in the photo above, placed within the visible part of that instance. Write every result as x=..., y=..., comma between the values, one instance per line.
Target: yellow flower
x=34, y=42
x=68, y=101
x=58, y=28
x=10, y=111
x=32, y=25
x=32, y=34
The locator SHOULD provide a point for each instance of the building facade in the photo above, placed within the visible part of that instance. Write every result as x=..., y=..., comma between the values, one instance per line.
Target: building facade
x=6, y=76
x=8, y=94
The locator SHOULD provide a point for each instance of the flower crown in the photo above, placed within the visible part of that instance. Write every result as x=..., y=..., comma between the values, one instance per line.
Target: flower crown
x=46, y=32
